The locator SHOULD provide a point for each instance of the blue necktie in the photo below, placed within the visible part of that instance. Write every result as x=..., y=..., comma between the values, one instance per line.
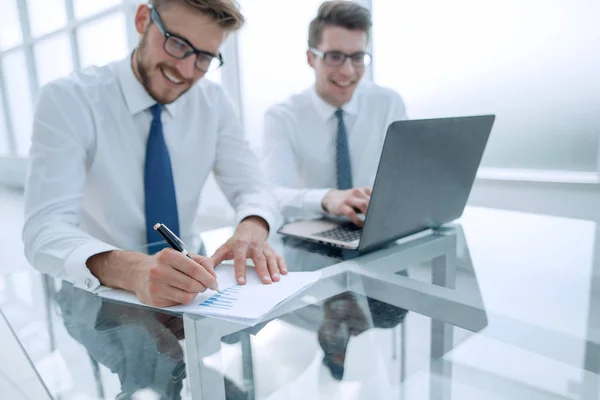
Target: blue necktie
x=159, y=188
x=343, y=165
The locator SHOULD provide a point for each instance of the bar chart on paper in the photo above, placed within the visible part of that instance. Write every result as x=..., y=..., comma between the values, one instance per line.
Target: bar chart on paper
x=250, y=302
x=245, y=304
x=223, y=300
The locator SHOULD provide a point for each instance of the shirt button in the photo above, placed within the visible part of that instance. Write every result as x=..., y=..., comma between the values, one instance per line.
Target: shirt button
x=88, y=283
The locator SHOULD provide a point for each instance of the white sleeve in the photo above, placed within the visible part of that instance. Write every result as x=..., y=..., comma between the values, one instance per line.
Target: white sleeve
x=237, y=170
x=279, y=165
x=399, y=108
x=62, y=137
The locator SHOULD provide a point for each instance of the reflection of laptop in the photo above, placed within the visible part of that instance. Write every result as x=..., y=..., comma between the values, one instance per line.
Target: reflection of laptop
x=425, y=175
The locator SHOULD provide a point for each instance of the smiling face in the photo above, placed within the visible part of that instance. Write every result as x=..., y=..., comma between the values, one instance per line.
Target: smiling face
x=164, y=77
x=336, y=85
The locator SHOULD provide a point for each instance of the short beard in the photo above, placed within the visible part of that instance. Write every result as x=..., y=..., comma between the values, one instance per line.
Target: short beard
x=142, y=70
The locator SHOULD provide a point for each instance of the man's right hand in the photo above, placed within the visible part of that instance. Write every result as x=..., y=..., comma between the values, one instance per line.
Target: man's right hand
x=348, y=202
x=164, y=279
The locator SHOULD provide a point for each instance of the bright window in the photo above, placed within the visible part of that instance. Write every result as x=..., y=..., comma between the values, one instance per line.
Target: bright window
x=36, y=46
x=272, y=60
x=533, y=63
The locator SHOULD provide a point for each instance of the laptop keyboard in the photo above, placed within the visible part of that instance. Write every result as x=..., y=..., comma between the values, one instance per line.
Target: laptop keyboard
x=348, y=233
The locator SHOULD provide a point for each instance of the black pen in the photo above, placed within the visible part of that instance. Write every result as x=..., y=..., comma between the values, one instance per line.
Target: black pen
x=173, y=241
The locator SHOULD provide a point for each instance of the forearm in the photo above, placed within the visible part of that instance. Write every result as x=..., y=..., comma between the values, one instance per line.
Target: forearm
x=116, y=269
x=300, y=203
x=60, y=249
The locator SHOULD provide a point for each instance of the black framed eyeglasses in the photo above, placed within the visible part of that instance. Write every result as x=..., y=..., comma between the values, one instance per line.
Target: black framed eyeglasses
x=180, y=48
x=337, y=58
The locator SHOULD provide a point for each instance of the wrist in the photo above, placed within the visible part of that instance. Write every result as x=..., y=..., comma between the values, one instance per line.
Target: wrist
x=325, y=203
x=256, y=222
x=116, y=269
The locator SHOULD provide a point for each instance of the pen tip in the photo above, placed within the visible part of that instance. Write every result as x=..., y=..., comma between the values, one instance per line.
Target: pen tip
x=156, y=226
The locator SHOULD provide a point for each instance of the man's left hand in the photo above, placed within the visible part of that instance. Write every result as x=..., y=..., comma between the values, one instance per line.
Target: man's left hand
x=250, y=241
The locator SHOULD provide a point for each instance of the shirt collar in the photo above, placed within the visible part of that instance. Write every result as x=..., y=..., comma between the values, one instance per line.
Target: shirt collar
x=136, y=96
x=326, y=110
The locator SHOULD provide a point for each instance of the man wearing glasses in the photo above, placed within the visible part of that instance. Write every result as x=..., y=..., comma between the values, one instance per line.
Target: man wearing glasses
x=322, y=146
x=119, y=148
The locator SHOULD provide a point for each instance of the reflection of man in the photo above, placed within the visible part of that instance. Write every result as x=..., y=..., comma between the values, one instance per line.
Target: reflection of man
x=322, y=146
x=343, y=318
x=117, y=149
x=142, y=347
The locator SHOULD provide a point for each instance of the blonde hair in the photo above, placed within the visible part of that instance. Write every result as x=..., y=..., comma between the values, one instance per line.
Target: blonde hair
x=225, y=12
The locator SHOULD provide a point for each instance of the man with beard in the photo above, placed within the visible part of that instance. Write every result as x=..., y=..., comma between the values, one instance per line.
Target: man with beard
x=119, y=148
x=322, y=146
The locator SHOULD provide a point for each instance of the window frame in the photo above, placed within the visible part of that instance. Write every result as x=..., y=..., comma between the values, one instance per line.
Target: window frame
x=28, y=43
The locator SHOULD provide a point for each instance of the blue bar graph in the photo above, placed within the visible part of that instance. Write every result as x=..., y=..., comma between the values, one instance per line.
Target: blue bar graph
x=224, y=300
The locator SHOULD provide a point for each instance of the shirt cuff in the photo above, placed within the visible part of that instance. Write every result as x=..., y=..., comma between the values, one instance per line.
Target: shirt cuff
x=313, y=201
x=271, y=220
x=77, y=270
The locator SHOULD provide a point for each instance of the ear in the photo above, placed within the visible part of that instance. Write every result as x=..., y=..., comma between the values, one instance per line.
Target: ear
x=310, y=58
x=142, y=19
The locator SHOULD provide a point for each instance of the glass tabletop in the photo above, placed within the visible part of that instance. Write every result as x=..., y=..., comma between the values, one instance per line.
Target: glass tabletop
x=19, y=379
x=500, y=305
x=349, y=346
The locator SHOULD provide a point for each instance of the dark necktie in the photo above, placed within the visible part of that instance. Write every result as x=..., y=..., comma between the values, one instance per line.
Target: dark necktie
x=343, y=165
x=159, y=188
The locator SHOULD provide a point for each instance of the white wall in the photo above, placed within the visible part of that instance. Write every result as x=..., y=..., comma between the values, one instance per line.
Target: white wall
x=569, y=200
x=533, y=63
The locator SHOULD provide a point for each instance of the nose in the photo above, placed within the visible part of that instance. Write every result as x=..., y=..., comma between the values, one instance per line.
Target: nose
x=347, y=67
x=186, y=67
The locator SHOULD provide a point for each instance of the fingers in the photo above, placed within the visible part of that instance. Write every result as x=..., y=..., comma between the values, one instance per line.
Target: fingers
x=174, y=294
x=187, y=266
x=173, y=277
x=206, y=262
x=273, y=266
x=164, y=295
x=260, y=264
x=223, y=253
x=282, y=265
x=349, y=212
x=272, y=262
x=357, y=194
x=358, y=203
x=269, y=265
x=363, y=193
x=240, y=254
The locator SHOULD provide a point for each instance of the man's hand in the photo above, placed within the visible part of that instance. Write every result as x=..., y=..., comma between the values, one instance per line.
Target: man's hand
x=348, y=202
x=250, y=241
x=165, y=279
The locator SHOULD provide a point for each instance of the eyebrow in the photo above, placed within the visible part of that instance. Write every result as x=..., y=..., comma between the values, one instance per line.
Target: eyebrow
x=178, y=36
x=342, y=51
x=181, y=37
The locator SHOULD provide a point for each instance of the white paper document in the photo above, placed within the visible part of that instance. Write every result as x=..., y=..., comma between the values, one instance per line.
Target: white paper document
x=245, y=304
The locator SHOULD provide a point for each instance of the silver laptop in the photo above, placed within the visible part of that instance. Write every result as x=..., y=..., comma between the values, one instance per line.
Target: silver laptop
x=425, y=175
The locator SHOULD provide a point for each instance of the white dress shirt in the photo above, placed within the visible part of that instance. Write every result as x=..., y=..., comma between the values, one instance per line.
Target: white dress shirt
x=300, y=144
x=85, y=185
